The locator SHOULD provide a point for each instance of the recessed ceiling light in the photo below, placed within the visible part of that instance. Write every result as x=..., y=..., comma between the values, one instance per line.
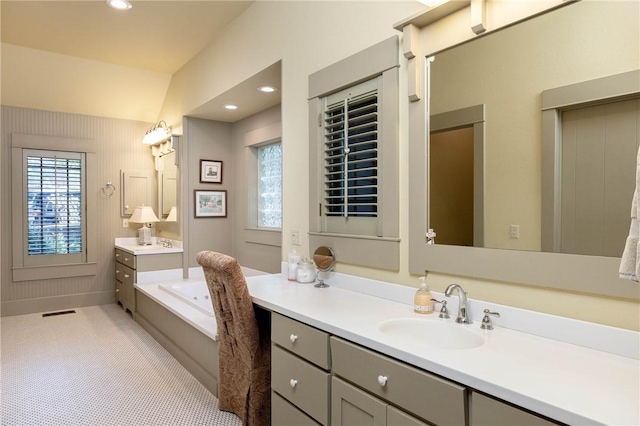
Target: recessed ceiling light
x=119, y=4
x=230, y=106
x=267, y=89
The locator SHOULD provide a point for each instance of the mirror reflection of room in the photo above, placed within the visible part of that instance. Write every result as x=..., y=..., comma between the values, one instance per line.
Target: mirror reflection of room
x=508, y=71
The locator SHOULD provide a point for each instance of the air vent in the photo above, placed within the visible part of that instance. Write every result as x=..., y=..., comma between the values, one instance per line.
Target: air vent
x=53, y=314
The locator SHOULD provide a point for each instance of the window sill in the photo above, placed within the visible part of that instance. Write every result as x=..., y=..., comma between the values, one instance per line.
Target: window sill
x=35, y=273
x=361, y=250
x=264, y=236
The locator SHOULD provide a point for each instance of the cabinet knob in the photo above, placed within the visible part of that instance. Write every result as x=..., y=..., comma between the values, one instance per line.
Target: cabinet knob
x=293, y=338
x=117, y=271
x=117, y=290
x=126, y=259
x=382, y=380
x=126, y=275
x=117, y=254
x=293, y=383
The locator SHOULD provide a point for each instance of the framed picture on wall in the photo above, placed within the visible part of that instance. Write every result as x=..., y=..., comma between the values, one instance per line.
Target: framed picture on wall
x=210, y=203
x=210, y=171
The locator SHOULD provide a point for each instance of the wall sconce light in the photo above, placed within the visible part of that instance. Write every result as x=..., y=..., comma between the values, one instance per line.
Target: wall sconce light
x=144, y=214
x=173, y=215
x=156, y=134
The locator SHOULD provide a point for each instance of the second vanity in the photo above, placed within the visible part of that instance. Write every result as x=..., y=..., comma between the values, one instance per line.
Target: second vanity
x=331, y=338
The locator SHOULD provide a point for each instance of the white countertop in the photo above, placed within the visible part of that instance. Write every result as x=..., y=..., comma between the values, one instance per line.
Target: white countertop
x=569, y=383
x=131, y=245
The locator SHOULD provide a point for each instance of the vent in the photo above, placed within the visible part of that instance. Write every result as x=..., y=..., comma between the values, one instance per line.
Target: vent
x=53, y=314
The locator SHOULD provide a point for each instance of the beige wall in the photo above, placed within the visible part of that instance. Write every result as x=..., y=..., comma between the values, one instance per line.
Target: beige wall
x=207, y=140
x=49, y=81
x=266, y=33
x=119, y=147
x=257, y=249
x=288, y=31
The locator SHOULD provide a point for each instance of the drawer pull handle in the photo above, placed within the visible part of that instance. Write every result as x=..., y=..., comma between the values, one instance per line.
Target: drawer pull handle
x=126, y=275
x=293, y=338
x=382, y=380
x=117, y=271
x=293, y=383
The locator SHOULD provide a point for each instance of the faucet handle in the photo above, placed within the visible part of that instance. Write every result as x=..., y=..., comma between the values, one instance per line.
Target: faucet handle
x=444, y=312
x=487, y=324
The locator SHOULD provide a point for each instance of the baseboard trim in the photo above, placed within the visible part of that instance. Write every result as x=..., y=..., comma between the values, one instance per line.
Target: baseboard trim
x=56, y=303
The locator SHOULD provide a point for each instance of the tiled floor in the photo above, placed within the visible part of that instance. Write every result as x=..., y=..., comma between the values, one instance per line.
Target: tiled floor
x=96, y=367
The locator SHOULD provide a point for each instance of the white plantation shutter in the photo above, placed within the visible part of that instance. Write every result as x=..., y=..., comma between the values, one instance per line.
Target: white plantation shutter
x=54, y=207
x=350, y=165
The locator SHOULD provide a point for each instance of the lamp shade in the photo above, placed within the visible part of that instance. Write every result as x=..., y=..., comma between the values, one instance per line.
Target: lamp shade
x=173, y=215
x=143, y=214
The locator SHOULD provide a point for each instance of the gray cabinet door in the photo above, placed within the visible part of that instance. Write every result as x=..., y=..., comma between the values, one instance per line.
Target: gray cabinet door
x=351, y=406
x=486, y=411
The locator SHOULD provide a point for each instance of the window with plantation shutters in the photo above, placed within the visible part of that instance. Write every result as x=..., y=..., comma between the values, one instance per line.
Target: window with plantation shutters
x=54, y=207
x=353, y=157
x=350, y=166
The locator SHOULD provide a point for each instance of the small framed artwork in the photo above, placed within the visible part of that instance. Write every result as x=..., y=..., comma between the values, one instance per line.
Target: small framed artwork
x=210, y=203
x=210, y=171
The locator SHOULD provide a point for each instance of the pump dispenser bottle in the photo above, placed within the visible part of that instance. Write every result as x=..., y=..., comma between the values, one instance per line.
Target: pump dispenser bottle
x=422, y=302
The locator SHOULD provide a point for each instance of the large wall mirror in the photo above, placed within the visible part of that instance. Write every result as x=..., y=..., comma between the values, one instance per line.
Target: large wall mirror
x=505, y=74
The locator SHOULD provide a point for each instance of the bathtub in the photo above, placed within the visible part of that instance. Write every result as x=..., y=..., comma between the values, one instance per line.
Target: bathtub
x=195, y=291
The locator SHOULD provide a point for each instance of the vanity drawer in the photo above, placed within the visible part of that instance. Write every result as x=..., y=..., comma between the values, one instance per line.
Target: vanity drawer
x=127, y=274
x=486, y=411
x=285, y=414
x=301, y=383
x=425, y=395
x=126, y=258
x=301, y=339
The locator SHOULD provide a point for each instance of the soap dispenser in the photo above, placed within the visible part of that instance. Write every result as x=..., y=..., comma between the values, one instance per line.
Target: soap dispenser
x=422, y=302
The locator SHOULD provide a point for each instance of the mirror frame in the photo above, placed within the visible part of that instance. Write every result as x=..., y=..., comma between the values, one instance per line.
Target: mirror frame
x=566, y=272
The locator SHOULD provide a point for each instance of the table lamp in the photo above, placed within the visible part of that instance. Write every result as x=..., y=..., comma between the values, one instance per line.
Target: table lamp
x=143, y=214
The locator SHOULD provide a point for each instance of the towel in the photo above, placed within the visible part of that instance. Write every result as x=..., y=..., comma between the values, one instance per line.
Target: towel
x=630, y=262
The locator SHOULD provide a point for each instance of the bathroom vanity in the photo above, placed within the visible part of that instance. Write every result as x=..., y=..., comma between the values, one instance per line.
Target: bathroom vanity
x=132, y=258
x=332, y=364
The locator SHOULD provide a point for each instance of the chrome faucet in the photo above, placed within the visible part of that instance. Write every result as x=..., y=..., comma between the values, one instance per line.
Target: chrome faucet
x=462, y=318
x=166, y=243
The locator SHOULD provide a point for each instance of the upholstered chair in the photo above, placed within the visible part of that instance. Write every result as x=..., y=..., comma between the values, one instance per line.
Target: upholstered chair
x=245, y=352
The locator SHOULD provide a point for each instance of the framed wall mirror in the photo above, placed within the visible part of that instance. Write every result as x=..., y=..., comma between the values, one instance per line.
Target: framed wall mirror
x=507, y=72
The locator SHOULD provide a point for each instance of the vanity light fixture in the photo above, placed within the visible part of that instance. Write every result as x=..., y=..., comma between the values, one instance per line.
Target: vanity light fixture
x=158, y=133
x=230, y=107
x=432, y=3
x=267, y=89
x=119, y=4
x=144, y=214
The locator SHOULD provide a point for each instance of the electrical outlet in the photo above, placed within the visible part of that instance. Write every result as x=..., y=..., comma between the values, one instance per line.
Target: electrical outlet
x=295, y=237
x=515, y=231
x=125, y=223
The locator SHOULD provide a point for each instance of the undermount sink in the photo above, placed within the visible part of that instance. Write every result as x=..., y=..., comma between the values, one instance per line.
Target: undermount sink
x=431, y=333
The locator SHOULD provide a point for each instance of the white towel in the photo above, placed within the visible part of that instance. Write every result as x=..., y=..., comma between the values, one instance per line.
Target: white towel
x=630, y=262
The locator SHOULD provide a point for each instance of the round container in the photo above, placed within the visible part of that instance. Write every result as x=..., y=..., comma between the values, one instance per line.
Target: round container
x=306, y=271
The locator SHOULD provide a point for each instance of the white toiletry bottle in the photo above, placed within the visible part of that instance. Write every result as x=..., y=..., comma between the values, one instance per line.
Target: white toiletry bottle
x=422, y=302
x=293, y=260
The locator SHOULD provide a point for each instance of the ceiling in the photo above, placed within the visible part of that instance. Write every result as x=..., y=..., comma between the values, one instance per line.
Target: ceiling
x=158, y=36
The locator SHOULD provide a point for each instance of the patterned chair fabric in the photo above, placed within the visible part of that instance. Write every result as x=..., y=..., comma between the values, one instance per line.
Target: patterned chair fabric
x=244, y=351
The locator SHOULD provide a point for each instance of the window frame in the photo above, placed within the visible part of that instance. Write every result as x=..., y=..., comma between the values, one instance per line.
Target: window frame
x=380, y=60
x=257, y=150
x=22, y=270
